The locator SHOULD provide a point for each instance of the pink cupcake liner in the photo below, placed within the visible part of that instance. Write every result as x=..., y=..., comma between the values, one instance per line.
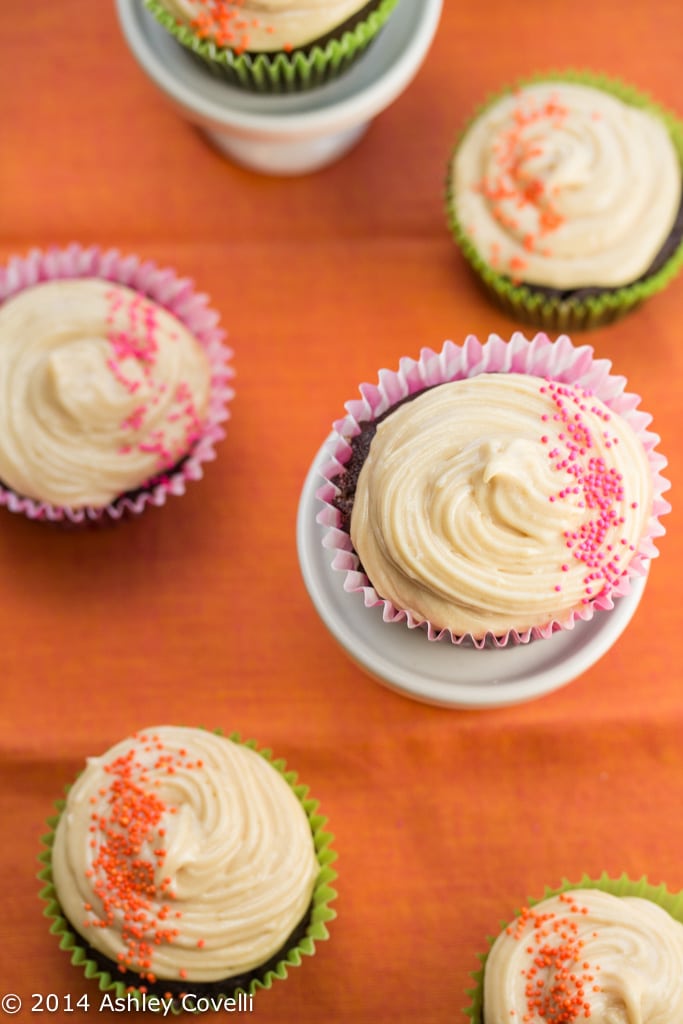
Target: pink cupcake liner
x=558, y=360
x=178, y=296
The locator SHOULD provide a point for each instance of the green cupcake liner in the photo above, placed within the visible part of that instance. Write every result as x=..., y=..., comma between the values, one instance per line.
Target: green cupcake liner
x=622, y=886
x=320, y=913
x=524, y=303
x=278, y=73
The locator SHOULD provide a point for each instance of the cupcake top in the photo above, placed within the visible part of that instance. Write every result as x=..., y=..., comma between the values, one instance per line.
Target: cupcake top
x=564, y=185
x=106, y=391
x=499, y=502
x=183, y=855
x=263, y=25
x=587, y=954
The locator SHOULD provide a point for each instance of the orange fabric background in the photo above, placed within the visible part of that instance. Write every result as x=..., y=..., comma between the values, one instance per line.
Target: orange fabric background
x=445, y=820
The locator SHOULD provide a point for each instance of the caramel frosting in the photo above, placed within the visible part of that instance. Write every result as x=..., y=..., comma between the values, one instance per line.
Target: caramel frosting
x=263, y=25
x=564, y=185
x=181, y=854
x=587, y=954
x=103, y=390
x=499, y=502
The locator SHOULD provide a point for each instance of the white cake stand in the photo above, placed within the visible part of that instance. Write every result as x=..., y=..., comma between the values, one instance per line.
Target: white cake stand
x=437, y=672
x=291, y=134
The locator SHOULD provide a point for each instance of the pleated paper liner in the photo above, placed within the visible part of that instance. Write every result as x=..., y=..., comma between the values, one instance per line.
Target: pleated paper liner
x=280, y=72
x=179, y=297
x=561, y=361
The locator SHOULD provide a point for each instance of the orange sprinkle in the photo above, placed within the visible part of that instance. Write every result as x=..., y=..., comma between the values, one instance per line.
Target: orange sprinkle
x=122, y=873
x=558, y=995
x=514, y=184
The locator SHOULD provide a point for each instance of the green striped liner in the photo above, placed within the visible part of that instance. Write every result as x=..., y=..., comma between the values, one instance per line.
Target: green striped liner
x=524, y=303
x=622, y=886
x=279, y=72
x=321, y=911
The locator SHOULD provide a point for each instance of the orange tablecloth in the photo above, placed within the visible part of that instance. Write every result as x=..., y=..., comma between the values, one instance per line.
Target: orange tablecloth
x=445, y=820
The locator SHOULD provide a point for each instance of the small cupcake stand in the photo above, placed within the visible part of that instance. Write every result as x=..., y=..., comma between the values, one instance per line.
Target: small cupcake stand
x=290, y=134
x=440, y=672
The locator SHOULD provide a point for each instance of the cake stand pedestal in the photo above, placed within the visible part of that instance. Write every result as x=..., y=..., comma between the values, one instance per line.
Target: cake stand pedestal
x=440, y=672
x=295, y=133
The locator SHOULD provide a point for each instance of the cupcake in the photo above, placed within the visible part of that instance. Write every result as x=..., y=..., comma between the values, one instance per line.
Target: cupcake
x=119, y=384
x=564, y=194
x=608, y=950
x=493, y=493
x=185, y=865
x=274, y=46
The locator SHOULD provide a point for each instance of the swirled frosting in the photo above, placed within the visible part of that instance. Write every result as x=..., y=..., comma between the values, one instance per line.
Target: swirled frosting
x=183, y=855
x=102, y=389
x=499, y=502
x=263, y=25
x=587, y=955
x=564, y=185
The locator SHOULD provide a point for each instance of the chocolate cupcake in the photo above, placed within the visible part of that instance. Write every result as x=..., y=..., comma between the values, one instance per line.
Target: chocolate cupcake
x=185, y=864
x=493, y=493
x=119, y=381
x=274, y=47
x=564, y=194
x=607, y=949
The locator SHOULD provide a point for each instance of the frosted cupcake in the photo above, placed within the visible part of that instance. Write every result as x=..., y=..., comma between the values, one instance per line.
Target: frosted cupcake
x=185, y=863
x=119, y=383
x=274, y=46
x=564, y=194
x=493, y=493
x=609, y=950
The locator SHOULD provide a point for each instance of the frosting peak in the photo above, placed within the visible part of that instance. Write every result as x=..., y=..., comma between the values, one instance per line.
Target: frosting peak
x=511, y=487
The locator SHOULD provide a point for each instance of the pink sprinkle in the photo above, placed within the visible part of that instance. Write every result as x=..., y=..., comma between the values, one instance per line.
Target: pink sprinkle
x=599, y=487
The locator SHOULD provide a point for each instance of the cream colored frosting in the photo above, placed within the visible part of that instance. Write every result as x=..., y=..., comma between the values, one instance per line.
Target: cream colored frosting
x=267, y=25
x=565, y=185
x=217, y=832
x=620, y=960
x=464, y=515
x=101, y=389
